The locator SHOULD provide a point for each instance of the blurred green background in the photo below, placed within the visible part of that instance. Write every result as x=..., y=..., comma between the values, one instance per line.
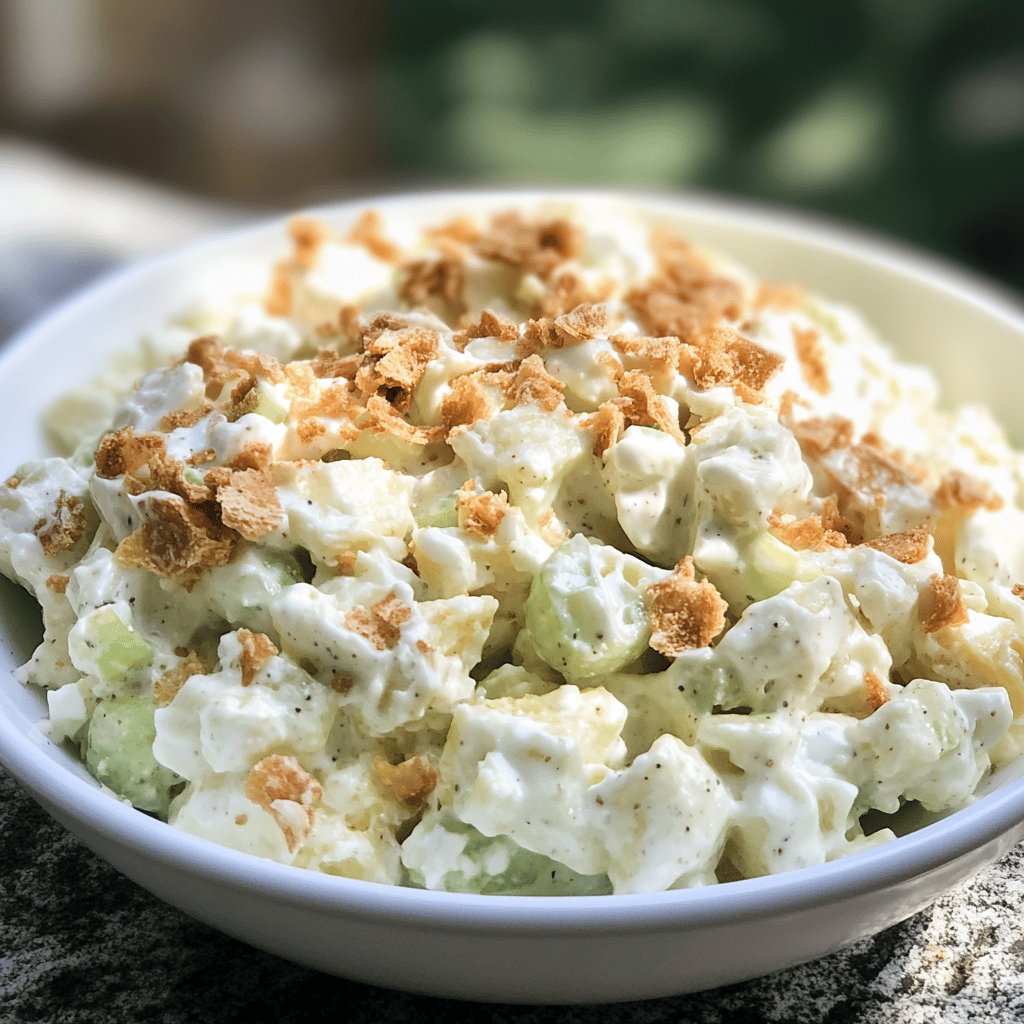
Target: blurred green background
x=905, y=116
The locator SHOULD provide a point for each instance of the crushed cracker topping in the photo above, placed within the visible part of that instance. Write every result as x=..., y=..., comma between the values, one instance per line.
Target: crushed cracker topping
x=942, y=604
x=811, y=355
x=277, y=780
x=307, y=235
x=684, y=298
x=641, y=405
x=819, y=435
x=57, y=583
x=959, y=490
x=531, y=246
x=608, y=424
x=438, y=277
x=167, y=685
x=720, y=356
x=876, y=693
x=368, y=231
x=684, y=614
x=409, y=782
x=64, y=527
x=249, y=503
x=480, y=514
x=176, y=540
x=780, y=295
x=907, y=546
x=809, y=533
x=257, y=650
x=381, y=623
x=532, y=384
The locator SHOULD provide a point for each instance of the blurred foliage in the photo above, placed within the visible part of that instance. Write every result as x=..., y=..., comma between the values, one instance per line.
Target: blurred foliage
x=904, y=116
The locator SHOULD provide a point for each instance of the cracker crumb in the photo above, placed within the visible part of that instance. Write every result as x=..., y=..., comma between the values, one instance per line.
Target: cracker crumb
x=583, y=323
x=782, y=296
x=441, y=277
x=819, y=435
x=176, y=540
x=811, y=355
x=277, y=780
x=381, y=623
x=533, y=384
x=1018, y=590
x=184, y=417
x=959, y=490
x=567, y=289
x=307, y=235
x=459, y=230
x=280, y=294
x=381, y=418
x=608, y=424
x=684, y=614
x=480, y=514
x=257, y=650
x=57, y=583
x=166, y=687
x=207, y=352
x=641, y=405
x=471, y=397
x=64, y=527
x=941, y=604
x=907, y=546
x=241, y=819
x=368, y=231
x=342, y=684
x=395, y=362
x=658, y=355
x=876, y=693
x=721, y=356
x=809, y=533
x=488, y=325
x=531, y=246
x=13, y=482
x=685, y=297
x=249, y=503
x=410, y=782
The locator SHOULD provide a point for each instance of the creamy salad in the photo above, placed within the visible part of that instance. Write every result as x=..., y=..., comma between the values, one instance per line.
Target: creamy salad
x=538, y=552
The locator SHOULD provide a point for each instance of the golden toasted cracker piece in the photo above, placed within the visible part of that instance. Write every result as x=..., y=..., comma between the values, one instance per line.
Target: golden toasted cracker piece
x=277, y=778
x=941, y=604
x=907, y=546
x=381, y=623
x=257, y=650
x=684, y=614
x=64, y=527
x=410, y=782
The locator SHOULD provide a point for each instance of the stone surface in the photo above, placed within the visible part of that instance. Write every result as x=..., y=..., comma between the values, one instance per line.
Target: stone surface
x=79, y=944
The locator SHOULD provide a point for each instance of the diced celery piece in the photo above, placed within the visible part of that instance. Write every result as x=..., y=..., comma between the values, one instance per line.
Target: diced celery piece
x=442, y=513
x=513, y=681
x=495, y=865
x=585, y=612
x=121, y=649
x=119, y=753
x=771, y=566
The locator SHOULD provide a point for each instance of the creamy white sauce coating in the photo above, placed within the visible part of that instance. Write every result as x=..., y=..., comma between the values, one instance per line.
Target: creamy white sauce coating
x=531, y=610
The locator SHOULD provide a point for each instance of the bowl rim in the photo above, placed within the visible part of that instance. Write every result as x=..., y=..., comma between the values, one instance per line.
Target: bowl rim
x=96, y=812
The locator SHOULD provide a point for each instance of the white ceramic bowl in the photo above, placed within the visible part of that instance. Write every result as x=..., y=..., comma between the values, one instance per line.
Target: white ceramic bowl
x=523, y=949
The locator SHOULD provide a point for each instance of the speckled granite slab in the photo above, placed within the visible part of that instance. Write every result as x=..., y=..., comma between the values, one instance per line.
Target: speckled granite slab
x=79, y=944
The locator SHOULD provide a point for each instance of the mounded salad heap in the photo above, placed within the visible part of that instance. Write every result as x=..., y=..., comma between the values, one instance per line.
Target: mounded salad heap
x=532, y=552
